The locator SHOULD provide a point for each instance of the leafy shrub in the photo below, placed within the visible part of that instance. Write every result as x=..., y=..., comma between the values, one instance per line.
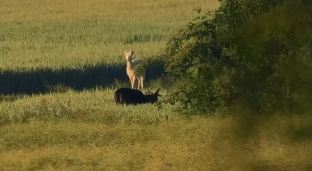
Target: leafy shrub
x=251, y=54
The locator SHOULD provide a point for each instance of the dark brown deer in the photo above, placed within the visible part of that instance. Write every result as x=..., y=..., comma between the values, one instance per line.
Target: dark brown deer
x=133, y=96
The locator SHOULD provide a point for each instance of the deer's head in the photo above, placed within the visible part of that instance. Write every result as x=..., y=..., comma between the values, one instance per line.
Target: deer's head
x=152, y=97
x=129, y=55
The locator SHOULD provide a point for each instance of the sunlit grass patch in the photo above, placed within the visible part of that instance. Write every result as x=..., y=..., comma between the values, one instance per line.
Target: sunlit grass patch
x=87, y=105
x=178, y=144
x=36, y=34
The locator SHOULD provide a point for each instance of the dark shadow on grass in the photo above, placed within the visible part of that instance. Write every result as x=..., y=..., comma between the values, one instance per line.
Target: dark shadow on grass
x=87, y=77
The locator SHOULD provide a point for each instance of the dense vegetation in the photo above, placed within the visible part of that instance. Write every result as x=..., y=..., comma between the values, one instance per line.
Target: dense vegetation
x=255, y=54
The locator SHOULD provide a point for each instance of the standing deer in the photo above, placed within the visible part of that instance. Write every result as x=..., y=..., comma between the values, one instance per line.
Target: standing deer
x=130, y=70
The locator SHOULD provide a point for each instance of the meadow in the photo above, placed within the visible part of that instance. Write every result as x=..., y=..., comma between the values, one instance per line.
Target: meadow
x=81, y=44
x=56, y=34
x=65, y=129
x=87, y=131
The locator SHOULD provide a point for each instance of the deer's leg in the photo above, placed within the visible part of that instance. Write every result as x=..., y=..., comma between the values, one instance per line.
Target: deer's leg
x=132, y=82
x=139, y=82
x=142, y=79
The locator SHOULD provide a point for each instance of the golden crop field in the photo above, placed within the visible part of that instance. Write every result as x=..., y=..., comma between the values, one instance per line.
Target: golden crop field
x=81, y=43
x=56, y=34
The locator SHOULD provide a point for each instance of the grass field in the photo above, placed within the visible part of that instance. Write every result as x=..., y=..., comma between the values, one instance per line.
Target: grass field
x=85, y=130
x=56, y=34
x=81, y=43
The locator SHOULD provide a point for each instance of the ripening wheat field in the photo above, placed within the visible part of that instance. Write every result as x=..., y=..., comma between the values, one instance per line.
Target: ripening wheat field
x=50, y=43
x=81, y=43
x=71, y=33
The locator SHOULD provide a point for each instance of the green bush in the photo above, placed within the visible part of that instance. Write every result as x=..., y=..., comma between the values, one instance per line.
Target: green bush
x=252, y=54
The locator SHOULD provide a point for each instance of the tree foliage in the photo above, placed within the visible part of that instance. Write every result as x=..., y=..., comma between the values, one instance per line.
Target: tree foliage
x=256, y=54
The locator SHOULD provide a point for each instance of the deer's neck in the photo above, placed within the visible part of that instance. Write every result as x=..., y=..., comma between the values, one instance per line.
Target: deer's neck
x=129, y=69
x=129, y=65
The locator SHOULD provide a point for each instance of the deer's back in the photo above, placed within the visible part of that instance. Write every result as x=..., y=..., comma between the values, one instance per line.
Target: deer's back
x=129, y=96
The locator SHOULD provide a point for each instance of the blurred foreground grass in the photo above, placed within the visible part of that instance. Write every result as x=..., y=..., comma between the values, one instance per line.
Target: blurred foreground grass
x=87, y=131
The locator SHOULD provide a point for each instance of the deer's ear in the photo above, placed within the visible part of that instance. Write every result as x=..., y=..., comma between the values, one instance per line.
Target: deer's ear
x=132, y=52
x=157, y=91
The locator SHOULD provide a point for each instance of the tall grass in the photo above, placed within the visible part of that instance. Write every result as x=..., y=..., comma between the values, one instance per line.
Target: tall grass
x=87, y=131
x=54, y=41
x=96, y=104
x=57, y=34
